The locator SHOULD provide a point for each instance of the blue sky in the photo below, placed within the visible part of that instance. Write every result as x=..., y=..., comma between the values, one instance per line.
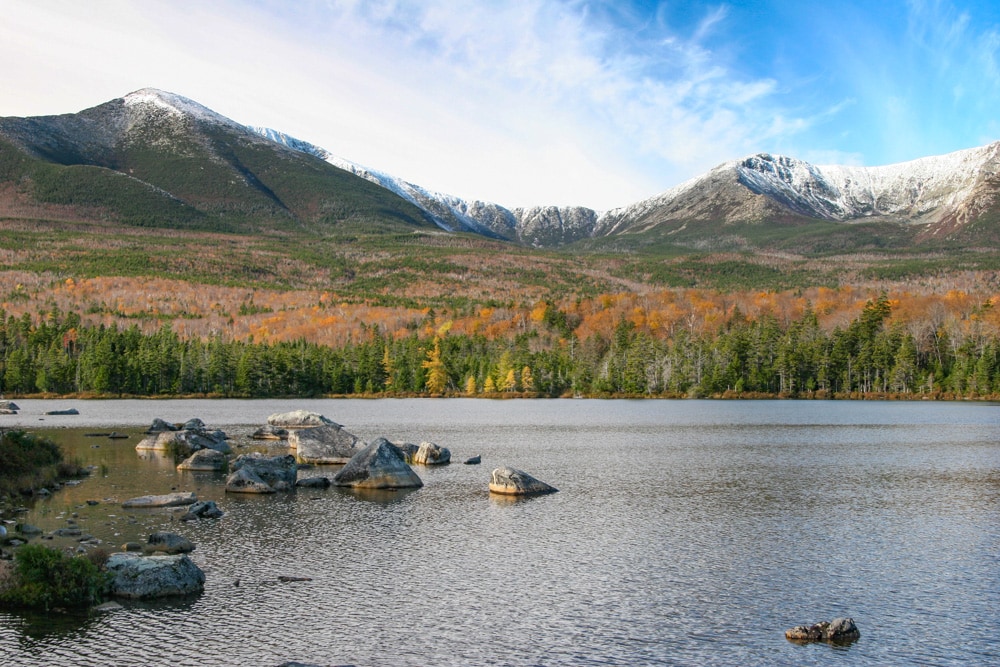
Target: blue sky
x=595, y=103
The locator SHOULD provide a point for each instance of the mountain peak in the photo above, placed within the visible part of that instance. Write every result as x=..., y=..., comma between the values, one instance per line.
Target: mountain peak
x=156, y=101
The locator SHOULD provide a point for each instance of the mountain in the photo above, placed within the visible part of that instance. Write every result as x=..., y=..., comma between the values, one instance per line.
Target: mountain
x=539, y=226
x=938, y=196
x=154, y=158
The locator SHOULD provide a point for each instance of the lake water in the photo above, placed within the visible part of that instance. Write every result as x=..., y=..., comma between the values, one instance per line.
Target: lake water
x=683, y=533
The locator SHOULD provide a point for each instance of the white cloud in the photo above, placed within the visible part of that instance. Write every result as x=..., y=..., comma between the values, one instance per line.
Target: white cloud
x=534, y=102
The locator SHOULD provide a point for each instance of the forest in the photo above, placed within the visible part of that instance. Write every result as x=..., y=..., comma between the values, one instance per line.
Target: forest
x=821, y=343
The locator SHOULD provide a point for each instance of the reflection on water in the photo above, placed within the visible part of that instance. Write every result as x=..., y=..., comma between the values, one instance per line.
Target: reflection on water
x=690, y=533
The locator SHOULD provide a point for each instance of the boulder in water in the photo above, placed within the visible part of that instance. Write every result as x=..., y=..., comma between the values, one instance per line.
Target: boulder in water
x=298, y=419
x=514, y=482
x=380, y=465
x=329, y=444
x=278, y=473
x=144, y=577
x=429, y=454
x=205, y=460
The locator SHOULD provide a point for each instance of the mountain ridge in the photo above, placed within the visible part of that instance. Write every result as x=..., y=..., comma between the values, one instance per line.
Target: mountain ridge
x=189, y=165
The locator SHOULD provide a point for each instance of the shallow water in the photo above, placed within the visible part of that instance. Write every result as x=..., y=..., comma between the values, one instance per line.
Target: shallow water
x=684, y=532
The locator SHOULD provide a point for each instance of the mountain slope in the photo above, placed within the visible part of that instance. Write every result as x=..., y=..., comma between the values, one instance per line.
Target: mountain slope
x=155, y=158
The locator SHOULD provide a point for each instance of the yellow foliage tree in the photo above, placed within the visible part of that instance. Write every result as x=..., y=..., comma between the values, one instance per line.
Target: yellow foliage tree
x=470, y=385
x=527, y=379
x=437, y=375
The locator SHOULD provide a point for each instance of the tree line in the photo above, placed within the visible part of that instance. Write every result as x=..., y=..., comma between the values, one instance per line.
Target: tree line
x=761, y=356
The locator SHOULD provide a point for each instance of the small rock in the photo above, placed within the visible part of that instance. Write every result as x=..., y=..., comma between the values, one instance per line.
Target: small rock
x=473, y=460
x=203, y=509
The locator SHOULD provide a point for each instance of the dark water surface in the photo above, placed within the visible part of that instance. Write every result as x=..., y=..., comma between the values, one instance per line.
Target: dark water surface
x=684, y=533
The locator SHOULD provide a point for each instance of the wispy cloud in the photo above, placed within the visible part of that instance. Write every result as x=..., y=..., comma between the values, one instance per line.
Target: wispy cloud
x=594, y=102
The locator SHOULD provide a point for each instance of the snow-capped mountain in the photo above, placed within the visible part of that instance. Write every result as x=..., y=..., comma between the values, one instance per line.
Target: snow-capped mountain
x=186, y=162
x=942, y=192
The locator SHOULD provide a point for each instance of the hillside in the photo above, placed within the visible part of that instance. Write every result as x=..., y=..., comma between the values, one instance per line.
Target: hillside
x=155, y=159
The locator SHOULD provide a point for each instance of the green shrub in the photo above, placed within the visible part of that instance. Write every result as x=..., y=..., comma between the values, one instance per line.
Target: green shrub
x=45, y=578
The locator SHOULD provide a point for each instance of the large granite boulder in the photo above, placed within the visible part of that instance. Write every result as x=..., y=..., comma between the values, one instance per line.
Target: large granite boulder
x=430, y=454
x=513, y=482
x=278, y=473
x=837, y=631
x=165, y=500
x=144, y=577
x=329, y=444
x=205, y=460
x=8, y=408
x=169, y=543
x=298, y=419
x=380, y=465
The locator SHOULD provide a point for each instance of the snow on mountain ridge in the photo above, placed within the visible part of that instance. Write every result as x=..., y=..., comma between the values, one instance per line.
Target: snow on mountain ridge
x=913, y=190
x=175, y=105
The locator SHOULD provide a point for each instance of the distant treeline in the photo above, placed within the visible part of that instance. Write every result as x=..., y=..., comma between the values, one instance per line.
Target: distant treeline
x=58, y=354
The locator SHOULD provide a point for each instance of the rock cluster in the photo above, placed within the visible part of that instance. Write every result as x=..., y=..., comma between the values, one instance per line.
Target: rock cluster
x=8, y=408
x=182, y=441
x=837, y=631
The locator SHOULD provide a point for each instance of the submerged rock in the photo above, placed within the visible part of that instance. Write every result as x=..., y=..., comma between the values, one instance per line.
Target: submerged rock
x=313, y=482
x=380, y=465
x=166, y=500
x=837, y=631
x=170, y=543
x=329, y=444
x=67, y=412
x=514, y=482
x=144, y=577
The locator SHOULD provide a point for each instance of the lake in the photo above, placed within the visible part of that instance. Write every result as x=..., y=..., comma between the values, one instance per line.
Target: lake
x=683, y=533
